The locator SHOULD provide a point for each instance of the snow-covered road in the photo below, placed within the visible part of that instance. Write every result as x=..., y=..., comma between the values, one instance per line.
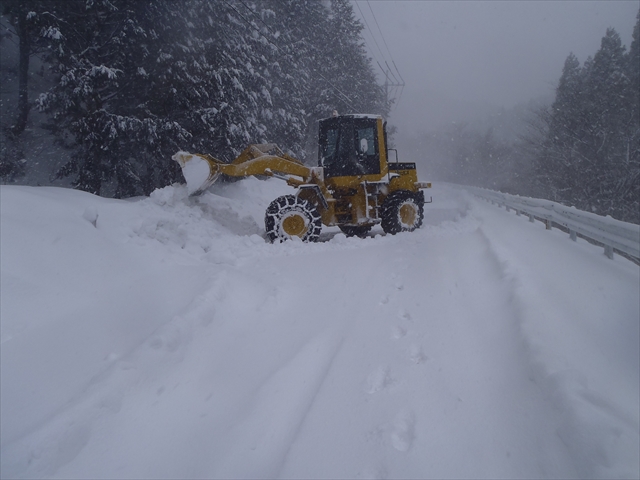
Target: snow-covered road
x=163, y=338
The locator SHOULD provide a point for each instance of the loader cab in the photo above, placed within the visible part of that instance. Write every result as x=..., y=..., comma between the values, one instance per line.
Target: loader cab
x=349, y=145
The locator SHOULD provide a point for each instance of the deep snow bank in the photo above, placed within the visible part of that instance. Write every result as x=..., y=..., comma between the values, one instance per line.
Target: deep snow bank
x=163, y=337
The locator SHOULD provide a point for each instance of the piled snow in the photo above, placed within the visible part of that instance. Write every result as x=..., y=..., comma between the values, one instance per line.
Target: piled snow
x=162, y=337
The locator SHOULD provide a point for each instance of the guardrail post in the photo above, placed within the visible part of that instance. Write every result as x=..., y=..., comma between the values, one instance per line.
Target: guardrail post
x=531, y=219
x=548, y=224
x=573, y=235
x=507, y=207
x=518, y=212
x=608, y=251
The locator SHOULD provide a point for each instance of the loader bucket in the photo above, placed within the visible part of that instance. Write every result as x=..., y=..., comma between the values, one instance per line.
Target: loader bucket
x=199, y=171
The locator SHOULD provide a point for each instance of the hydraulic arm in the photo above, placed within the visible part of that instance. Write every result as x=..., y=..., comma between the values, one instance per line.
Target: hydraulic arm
x=201, y=170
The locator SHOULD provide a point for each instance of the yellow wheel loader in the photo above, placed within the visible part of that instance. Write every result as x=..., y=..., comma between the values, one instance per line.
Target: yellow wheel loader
x=354, y=186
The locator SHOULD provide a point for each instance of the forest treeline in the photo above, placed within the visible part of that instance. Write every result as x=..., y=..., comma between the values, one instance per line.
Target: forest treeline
x=583, y=150
x=132, y=82
x=590, y=156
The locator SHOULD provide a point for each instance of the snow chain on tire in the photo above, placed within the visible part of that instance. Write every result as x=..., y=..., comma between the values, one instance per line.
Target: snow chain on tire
x=289, y=216
x=402, y=211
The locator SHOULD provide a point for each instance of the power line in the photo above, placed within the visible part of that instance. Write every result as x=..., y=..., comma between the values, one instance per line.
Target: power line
x=394, y=64
x=384, y=59
x=391, y=71
x=370, y=32
x=400, y=96
x=386, y=72
x=383, y=39
x=369, y=49
x=391, y=82
x=380, y=30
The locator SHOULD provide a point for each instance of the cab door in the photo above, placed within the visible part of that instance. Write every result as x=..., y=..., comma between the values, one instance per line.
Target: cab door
x=349, y=147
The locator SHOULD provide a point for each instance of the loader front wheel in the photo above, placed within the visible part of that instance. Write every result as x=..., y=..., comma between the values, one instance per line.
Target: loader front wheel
x=402, y=211
x=289, y=216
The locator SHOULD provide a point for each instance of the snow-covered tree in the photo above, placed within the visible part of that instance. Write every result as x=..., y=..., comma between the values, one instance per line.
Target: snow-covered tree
x=632, y=178
x=94, y=67
x=33, y=23
x=558, y=165
x=138, y=81
x=590, y=155
x=341, y=76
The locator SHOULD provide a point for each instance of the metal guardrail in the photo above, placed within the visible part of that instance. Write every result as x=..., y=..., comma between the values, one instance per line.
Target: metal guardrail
x=613, y=234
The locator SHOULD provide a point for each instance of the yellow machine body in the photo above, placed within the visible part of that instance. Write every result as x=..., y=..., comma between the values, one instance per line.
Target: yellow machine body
x=352, y=187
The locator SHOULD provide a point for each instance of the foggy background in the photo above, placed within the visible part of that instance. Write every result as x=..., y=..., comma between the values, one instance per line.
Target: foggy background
x=465, y=61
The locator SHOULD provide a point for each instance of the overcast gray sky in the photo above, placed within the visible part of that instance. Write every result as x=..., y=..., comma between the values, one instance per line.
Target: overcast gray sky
x=456, y=56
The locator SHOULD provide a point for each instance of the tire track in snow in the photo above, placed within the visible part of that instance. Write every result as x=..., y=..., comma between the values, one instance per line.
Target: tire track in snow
x=258, y=447
x=61, y=438
x=520, y=410
x=597, y=427
x=437, y=357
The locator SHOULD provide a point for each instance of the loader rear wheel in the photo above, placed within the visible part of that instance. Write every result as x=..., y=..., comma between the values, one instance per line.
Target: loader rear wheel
x=355, y=230
x=402, y=211
x=289, y=216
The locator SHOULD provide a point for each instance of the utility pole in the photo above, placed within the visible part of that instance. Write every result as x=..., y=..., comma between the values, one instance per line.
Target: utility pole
x=391, y=83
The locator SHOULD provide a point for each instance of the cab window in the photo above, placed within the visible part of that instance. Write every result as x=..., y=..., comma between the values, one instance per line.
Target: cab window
x=348, y=147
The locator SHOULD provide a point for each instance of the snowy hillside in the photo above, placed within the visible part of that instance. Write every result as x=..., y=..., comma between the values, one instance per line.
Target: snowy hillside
x=162, y=337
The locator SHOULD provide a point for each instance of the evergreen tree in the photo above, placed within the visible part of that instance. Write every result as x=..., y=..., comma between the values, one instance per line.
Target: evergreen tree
x=138, y=81
x=351, y=69
x=560, y=167
x=268, y=77
x=296, y=28
x=631, y=179
x=94, y=66
x=590, y=156
x=32, y=21
x=608, y=106
x=342, y=76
